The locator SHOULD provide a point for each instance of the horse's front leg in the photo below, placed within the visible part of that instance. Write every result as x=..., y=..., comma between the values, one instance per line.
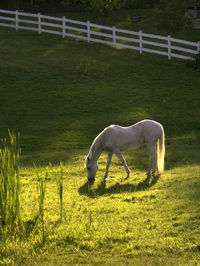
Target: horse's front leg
x=121, y=158
x=109, y=158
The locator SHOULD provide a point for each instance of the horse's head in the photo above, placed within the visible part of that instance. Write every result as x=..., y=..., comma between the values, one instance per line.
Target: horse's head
x=92, y=168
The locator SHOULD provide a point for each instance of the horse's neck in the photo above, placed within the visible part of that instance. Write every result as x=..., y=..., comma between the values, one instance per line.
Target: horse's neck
x=95, y=150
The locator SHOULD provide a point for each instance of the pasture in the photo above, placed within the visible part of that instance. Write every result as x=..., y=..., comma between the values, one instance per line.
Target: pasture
x=60, y=94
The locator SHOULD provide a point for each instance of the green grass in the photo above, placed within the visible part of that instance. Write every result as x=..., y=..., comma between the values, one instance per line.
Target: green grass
x=59, y=94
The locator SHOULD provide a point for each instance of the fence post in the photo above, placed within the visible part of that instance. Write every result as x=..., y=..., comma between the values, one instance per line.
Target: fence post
x=169, y=47
x=63, y=27
x=198, y=46
x=88, y=31
x=16, y=20
x=39, y=23
x=114, y=37
x=140, y=39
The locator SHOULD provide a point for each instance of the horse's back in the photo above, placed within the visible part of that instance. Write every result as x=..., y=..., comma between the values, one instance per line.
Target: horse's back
x=151, y=125
x=146, y=125
x=122, y=137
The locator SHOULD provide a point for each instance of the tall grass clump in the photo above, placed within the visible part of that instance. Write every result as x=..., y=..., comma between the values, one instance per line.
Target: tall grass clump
x=10, y=184
x=41, y=197
x=59, y=181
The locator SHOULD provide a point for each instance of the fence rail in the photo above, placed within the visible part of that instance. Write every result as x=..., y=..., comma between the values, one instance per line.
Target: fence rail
x=143, y=42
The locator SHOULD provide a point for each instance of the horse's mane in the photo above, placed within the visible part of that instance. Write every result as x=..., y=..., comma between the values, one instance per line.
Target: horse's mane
x=95, y=145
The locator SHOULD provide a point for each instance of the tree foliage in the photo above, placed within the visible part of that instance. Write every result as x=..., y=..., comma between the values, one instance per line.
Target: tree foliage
x=170, y=15
x=102, y=9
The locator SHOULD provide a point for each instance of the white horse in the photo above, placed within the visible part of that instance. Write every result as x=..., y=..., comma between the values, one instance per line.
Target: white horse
x=115, y=139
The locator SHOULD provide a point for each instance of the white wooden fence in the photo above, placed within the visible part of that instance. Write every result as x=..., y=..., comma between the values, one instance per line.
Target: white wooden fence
x=90, y=32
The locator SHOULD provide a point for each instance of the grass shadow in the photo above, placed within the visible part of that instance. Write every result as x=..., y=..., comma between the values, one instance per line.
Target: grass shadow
x=89, y=190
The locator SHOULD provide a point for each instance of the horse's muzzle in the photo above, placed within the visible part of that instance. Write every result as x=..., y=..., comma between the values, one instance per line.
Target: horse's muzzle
x=91, y=179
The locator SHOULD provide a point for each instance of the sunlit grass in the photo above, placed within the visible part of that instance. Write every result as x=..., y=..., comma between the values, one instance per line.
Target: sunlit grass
x=141, y=216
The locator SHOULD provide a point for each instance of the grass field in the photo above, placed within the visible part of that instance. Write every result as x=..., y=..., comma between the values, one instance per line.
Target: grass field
x=59, y=94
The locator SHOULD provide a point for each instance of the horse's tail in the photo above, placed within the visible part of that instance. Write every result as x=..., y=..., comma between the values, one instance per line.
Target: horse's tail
x=161, y=151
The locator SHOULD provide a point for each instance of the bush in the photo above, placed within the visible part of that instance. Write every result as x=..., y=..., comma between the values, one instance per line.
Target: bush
x=195, y=63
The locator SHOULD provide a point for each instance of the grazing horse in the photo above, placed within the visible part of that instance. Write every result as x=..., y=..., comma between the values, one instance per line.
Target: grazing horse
x=115, y=139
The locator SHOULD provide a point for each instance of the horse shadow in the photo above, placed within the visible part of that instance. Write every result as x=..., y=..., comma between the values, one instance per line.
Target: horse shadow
x=90, y=190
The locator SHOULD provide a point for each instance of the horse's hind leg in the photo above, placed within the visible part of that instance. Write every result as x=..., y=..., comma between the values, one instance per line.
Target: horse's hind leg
x=154, y=167
x=121, y=158
x=152, y=159
x=109, y=158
